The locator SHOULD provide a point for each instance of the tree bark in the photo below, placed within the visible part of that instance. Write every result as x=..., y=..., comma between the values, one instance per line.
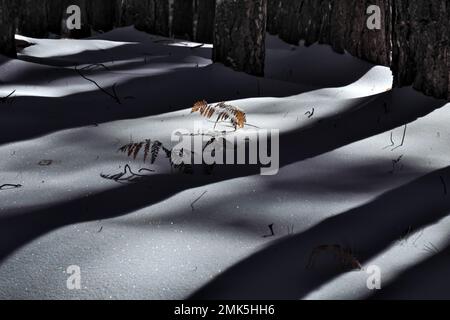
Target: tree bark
x=422, y=47
x=55, y=10
x=205, y=22
x=239, y=36
x=273, y=15
x=340, y=23
x=161, y=21
x=183, y=19
x=7, y=27
x=103, y=15
x=32, y=18
x=85, y=30
x=151, y=16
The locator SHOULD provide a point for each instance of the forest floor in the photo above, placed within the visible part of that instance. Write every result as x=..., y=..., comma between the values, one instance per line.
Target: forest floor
x=363, y=174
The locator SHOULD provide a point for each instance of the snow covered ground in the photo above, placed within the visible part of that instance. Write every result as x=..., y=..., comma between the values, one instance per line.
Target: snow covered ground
x=363, y=167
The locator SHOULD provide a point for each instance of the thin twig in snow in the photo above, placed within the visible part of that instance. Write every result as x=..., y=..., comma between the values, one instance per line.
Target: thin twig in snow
x=113, y=96
x=7, y=99
x=403, y=139
x=196, y=200
x=310, y=114
x=120, y=177
x=272, y=233
x=8, y=186
x=392, y=141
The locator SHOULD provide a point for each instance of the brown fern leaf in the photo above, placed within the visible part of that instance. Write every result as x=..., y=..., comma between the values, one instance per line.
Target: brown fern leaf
x=131, y=149
x=156, y=147
x=137, y=148
x=199, y=105
x=124, y=148
x=148, y=143
x=128, y=149
x=224, y=112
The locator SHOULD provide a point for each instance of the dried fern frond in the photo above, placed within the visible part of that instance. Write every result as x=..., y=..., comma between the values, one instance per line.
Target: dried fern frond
x=132, y=149
x=150, y=149
x=148, y=143
x=223, y=111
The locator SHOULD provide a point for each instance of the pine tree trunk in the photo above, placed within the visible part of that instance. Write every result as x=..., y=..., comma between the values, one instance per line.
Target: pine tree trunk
x=103, y=15
x=288, y=21
x=7, y=27
x=183, y=19
x=32, y=18
x=205, y=21
x=349, y=30
x=137, y=13
x=421, y=54
x=273, y=14
x=55, y=10
x=161, y=21
x=85, y=30
x=239, y=35
x=151, y=16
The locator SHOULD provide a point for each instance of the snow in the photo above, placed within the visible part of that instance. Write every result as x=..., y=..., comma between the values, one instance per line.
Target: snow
x=339, y=182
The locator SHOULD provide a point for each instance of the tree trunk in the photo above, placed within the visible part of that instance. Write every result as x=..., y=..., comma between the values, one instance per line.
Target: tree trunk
x=7, y=27
x=32, y=18
x=205, y=22
x=239, y=35
x=161, y=21
x=85, y=30
x=137, y=13
x=103, y=15
x=55, y=11
x=183, y=19
x=350, y=32
x=273, y=15
x=288, y=21
x=421, y=54
x=151, y=16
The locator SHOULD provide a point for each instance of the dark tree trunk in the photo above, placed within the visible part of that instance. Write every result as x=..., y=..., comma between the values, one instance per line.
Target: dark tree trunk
x=161, y=21
x=55, y=11
x=151, y=16
x=340, y=23
x=239, y=36
x=413, y=39
x=137, y=13
x=287, y=18
x=422, y=45
x=85, y=30
x=32, y=18
x=7, y=27
x=205, y=22
x=273, y=15
x=349, y=30
x=183, y=19
x=103, y=15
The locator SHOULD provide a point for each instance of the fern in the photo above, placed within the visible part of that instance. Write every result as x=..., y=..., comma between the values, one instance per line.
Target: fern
x=156, y=147
x=148, y=143
x=150, y=149
x=223, y=111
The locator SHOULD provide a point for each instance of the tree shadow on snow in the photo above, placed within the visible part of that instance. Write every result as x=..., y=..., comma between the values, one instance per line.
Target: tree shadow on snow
x=17, y=229
x=427, y=280
x=280, y=270
x=41, y=115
